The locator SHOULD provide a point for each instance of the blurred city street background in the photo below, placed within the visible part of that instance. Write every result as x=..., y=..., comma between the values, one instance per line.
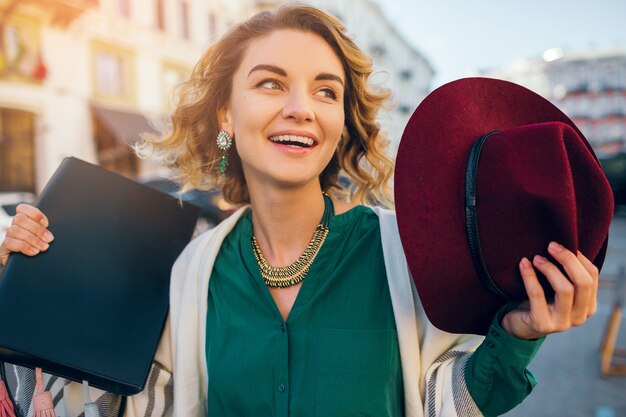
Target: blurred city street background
x=84, y=78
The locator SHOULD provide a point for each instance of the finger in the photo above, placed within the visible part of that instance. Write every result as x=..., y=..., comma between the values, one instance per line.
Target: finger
x=595, y=275
x=539, y=309
x=4, y=254
x=20, y=234
x=21, y=246
x=580, y=278
x=563, y=292
x=33, y=213
x=31, y=225
x=588, y=265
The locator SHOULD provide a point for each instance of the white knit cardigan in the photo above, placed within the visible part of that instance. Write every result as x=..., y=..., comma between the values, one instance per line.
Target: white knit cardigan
x=432, y=361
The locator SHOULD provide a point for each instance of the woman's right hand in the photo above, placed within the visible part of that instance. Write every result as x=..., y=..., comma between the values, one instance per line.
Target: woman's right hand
x=28, y=233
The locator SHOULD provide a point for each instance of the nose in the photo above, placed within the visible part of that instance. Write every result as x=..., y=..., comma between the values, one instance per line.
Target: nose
x=298, y=107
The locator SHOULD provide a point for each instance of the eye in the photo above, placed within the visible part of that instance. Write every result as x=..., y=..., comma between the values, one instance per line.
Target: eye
x=328, y=93
x=270, y=84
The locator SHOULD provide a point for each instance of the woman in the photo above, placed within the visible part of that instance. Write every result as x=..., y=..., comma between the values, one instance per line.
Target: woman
x=297, y=317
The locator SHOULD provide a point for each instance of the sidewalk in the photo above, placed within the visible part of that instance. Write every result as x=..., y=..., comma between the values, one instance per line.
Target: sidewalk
x=568, y=367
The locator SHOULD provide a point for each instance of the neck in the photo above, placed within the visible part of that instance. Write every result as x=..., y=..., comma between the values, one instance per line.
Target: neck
x=284, y=221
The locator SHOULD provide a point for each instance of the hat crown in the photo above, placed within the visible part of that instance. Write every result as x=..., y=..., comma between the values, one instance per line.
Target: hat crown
x=533, y=185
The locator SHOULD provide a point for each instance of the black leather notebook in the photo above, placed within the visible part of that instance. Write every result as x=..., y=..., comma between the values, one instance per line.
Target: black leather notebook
x=92, y=307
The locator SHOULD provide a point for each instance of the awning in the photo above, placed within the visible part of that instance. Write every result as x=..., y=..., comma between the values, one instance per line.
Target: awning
x=125, y=126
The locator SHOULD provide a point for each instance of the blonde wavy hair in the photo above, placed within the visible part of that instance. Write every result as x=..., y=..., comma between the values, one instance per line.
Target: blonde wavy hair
x=189, y=148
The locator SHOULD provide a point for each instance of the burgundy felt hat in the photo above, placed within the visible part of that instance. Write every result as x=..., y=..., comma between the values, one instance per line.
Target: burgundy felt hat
x=489, y=172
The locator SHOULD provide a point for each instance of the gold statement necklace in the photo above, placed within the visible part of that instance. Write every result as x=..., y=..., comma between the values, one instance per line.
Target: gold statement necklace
x=286, y=276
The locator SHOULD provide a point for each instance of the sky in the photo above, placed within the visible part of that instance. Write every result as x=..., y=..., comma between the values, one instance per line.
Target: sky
x=459, y=37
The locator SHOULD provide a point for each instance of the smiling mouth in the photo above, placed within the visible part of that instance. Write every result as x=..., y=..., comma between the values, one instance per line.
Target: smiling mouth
x=293, y=140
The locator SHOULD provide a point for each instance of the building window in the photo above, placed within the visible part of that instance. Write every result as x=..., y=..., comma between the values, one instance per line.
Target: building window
x=159, y=14
x=406, y=74
x=620, y=78
x=614, y=79
x=21, y=57
x=614, y=132
x=378, y=50
x=113, y=73
x=404, y=109
x=584, y=106
x=615, y=108
x=184, y=20
x=604, y=106
x=17, y=150
x=122, y=7
x=618, y=105
x=212, y=26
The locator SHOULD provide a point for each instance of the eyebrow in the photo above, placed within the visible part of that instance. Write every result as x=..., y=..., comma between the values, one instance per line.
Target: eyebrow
x=270, y=68
x=329, y=77
x=278, y=70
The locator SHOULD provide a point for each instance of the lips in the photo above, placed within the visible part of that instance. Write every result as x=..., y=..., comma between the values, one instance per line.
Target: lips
x=297, y=141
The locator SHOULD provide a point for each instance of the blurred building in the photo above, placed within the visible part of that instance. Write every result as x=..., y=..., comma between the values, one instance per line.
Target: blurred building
x=589, y=87
x=398, y=66
x=84, y=77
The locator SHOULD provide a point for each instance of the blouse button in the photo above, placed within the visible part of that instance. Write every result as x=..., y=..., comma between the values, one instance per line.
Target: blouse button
x=281, y=388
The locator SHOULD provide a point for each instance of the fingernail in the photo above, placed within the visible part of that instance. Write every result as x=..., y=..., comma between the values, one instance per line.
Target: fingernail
x=43, y=245
x=34, y=251
x=48, y=237
x=525, y=263
x=539, y=260
x=43, y=222
x=553, y=246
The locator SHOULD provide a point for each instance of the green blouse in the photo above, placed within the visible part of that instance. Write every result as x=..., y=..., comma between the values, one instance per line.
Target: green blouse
x=337, y=354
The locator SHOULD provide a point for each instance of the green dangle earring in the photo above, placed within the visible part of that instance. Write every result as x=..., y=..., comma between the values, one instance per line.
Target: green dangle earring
x=224, y=140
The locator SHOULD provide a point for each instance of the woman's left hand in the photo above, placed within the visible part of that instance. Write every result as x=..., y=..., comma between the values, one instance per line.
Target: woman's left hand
x=574, y=298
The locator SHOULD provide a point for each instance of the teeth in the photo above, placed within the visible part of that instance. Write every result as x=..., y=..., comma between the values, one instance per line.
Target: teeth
x=293, y=139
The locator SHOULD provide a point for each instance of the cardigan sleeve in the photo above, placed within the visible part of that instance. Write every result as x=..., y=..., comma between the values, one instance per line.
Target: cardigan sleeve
x=443, y=358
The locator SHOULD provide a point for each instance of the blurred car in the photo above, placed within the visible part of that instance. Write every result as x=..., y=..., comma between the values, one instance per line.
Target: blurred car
x=614, y=166
x=213, y=207
x=8, y=204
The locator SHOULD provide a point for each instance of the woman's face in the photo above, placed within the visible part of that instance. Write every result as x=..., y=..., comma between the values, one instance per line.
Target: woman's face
x=286, y=108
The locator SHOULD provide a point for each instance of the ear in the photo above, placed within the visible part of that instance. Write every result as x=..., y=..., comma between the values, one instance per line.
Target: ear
x=224, y=118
